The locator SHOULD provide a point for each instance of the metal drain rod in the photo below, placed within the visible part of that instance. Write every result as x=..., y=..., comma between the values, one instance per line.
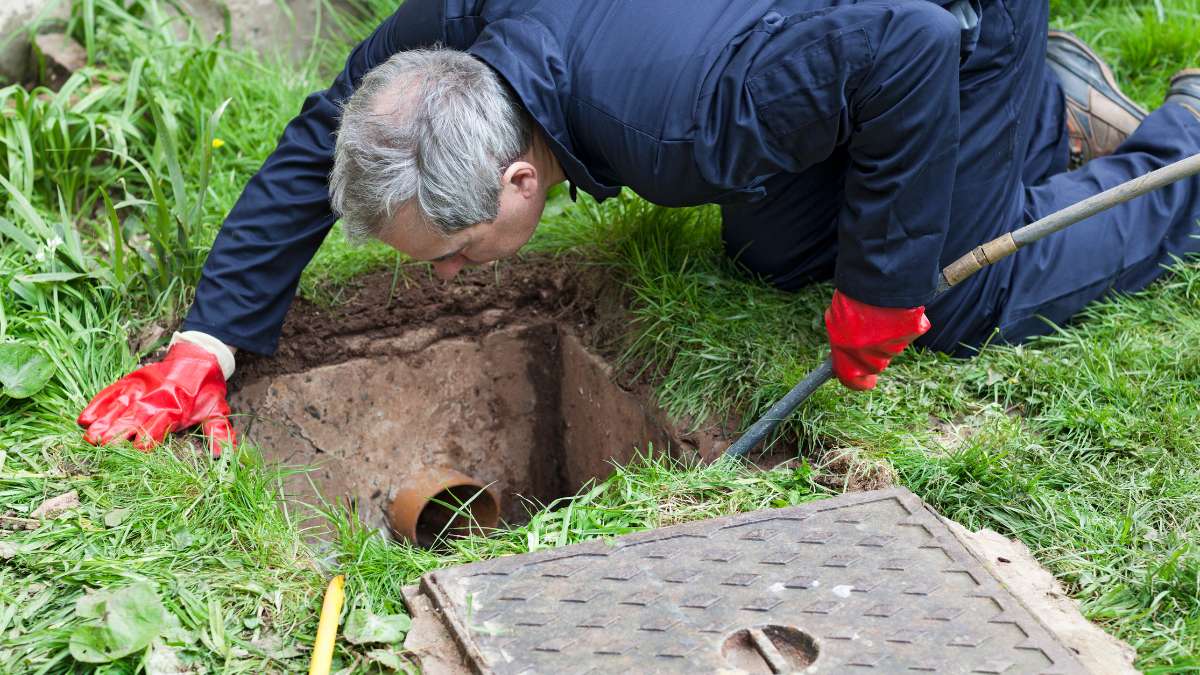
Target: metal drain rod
x=970, y=263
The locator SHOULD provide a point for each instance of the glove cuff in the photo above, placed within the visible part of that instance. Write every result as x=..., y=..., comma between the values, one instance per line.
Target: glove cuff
x=855, y=324
x=212, y=345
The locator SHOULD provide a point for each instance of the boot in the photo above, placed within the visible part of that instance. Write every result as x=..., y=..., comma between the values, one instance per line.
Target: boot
x=1185, y=90
x=1099, y=117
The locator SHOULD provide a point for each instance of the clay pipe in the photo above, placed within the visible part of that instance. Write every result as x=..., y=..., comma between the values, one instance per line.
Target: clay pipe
x=441, y=501
x=973, y=261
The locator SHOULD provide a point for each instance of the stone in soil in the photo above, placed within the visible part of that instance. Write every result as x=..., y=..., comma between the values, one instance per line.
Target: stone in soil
x=17, y=18
x=57, y=57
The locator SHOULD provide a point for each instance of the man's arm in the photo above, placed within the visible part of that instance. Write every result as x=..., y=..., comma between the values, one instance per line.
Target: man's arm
x=903, y=154
x=283, y=214
x=255, y=264
x=881, y=82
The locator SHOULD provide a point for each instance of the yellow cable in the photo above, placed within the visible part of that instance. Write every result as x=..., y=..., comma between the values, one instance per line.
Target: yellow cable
x=331, y=609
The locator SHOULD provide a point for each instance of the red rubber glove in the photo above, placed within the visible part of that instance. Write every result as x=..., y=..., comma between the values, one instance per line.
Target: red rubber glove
x=865, y=338
x=185, y=388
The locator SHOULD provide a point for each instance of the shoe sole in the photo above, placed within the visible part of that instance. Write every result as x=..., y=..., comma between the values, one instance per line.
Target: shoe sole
x=1105, y=71
x=1186, y=72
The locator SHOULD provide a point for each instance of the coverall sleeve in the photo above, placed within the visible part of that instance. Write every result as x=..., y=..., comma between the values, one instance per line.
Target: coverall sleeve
x=879, y=82
x=283, y=214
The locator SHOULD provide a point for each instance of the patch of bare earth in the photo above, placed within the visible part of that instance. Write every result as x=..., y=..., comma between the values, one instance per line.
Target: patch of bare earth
x=495, y=375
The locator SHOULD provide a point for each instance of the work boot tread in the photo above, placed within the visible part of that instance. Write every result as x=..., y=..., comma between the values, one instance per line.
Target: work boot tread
x=1185, y=90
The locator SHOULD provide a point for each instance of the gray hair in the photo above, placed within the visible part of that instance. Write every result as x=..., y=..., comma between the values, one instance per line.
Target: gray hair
x=434, y=125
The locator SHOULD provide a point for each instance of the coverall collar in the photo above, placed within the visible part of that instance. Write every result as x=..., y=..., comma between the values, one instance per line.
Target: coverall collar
x=530, y=59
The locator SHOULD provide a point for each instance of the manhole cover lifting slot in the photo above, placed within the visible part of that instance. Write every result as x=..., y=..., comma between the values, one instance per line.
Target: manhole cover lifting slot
x=770, y=648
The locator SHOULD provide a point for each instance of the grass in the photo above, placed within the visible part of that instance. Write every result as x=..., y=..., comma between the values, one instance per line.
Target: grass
x=1082, y=444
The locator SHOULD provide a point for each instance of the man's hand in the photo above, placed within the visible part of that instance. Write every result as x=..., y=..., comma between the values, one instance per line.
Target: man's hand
x=865, y=338
x=184, y=389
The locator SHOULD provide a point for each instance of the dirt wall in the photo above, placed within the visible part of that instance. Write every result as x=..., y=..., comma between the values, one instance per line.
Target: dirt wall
x=368, y=425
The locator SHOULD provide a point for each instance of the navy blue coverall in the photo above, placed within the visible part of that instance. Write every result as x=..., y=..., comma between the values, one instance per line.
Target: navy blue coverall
x=868, y=142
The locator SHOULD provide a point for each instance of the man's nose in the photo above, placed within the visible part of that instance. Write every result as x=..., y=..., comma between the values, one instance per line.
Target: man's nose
x=448, y=269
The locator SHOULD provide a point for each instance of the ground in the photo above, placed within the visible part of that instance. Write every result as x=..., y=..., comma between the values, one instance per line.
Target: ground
x=1082, y=444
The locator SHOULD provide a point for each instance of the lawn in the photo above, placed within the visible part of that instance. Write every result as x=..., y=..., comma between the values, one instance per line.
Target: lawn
x=1083, y=444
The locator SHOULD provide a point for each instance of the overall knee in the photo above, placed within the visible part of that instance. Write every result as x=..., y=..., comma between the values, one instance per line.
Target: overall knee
x=920, y=31
x=757, y=258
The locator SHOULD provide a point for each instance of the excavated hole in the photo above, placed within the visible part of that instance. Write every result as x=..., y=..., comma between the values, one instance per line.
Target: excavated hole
x=491, y=376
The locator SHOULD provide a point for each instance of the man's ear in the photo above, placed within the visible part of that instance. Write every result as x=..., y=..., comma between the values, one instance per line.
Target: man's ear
x=523, y=176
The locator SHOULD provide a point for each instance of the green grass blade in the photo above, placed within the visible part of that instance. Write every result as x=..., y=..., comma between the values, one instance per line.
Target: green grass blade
x=116, y=238
x=167, y=127
x=206, y=155
x=16, y=234
x=22, y=206
x=89, y=29
x=132, y=86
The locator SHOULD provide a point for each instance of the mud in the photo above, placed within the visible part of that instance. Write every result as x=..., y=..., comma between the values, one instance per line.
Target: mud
x=501, y=375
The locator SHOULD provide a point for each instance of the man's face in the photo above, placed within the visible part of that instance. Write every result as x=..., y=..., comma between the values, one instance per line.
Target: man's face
x=521, y=202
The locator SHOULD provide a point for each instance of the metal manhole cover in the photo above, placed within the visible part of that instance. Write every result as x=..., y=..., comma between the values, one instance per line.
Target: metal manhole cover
x=869, y=581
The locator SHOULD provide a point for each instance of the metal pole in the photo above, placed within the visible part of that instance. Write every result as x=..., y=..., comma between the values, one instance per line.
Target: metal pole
x=970, y=263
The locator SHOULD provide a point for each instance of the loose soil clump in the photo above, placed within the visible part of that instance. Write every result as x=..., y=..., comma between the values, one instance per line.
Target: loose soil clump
x=500, y=375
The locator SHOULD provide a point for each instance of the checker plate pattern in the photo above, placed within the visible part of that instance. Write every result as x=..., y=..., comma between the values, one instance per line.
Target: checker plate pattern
x=875, y=578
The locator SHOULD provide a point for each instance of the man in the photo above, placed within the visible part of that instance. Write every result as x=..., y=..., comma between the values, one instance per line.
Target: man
x=868, y=143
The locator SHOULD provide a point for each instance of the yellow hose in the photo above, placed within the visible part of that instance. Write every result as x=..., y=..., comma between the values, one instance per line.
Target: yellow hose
x=331, y=609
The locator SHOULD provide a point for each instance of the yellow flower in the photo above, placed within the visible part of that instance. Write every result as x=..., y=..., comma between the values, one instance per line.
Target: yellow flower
x=217, y=143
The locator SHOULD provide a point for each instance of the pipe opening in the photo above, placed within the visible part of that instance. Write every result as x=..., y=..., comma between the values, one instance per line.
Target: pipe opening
x=442, y=505
x=456, y=512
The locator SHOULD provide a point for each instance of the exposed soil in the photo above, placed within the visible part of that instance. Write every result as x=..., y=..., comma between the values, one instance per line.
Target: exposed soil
x=498, y=375
x=417, y=305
